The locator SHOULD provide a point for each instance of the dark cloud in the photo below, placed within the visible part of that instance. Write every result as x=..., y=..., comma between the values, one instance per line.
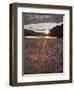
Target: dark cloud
x=31, y=18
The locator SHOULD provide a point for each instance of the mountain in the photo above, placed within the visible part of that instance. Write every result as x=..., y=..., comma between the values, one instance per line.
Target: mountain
x=57, y=31
x=32, y=33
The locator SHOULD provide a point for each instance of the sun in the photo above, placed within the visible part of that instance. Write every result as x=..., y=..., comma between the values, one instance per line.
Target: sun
x=46, y=32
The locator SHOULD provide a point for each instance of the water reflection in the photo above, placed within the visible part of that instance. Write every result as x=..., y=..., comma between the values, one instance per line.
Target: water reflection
x=48, y=37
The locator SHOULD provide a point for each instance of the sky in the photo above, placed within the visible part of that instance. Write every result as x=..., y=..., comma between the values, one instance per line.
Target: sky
x=39, y=22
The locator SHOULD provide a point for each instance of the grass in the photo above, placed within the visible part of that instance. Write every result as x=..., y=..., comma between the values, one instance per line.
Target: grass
x=43, y=55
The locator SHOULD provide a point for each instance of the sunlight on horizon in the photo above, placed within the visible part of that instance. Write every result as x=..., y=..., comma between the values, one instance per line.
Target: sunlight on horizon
x=47, y=32
x=42, y=31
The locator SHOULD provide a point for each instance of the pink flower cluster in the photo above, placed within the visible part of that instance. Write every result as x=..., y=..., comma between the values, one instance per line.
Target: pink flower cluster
x=43, y=60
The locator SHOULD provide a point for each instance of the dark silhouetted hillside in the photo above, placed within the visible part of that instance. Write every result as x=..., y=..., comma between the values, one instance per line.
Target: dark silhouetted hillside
x=57, y=31
x=32, y=33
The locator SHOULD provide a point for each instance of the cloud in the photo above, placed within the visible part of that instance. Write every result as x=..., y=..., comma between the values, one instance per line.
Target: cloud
x=41, y=26
x=31, y=18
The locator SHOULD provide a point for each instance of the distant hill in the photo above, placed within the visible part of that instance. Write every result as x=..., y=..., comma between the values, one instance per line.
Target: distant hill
x=57, y=31
x=32, y=33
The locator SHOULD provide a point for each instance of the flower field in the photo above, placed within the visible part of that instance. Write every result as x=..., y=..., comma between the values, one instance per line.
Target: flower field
x=43, y=55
